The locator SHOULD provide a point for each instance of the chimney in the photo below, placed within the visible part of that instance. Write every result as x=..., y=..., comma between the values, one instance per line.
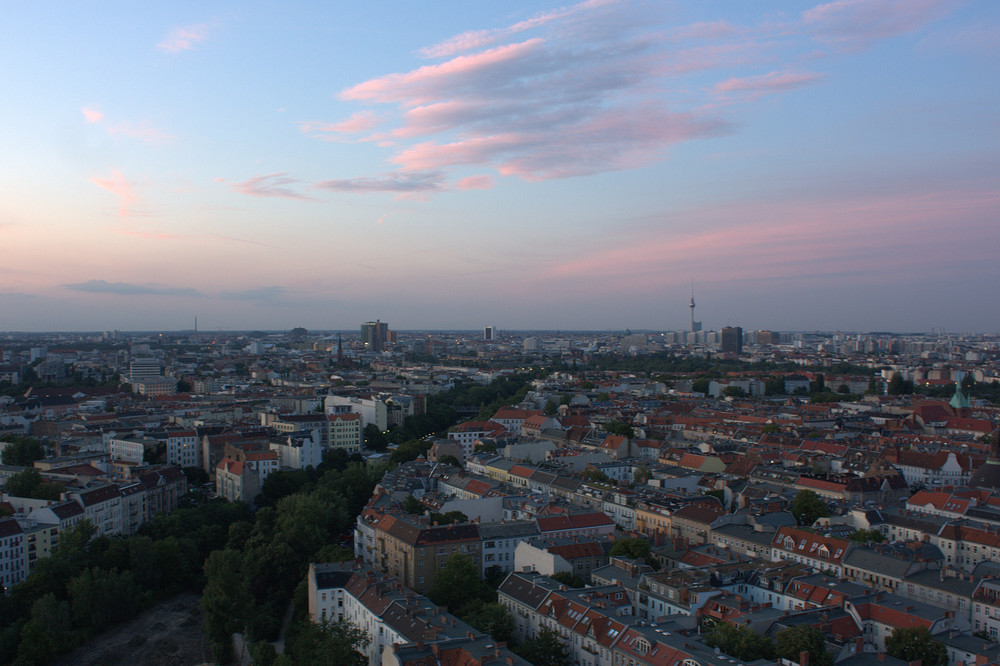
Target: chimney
x=804, y=658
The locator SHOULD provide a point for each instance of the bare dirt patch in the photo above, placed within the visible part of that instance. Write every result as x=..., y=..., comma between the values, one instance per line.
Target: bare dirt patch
x=168, y=634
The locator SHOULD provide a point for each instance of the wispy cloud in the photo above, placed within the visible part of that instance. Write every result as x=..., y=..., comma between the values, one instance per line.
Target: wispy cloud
x=599, y=86
x=184, y=39
x=399, y=182
x=142, y=131
x=271, y=185
x=362, y=121
x=118, y=185
x=481, y=182
x=129, y=289
x=856, y=24
x=475, y=39
x=91, y=115
x=766, y=84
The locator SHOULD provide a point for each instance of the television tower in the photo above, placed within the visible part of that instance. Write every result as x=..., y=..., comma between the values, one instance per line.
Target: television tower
x=695, y=325
x=693, y=330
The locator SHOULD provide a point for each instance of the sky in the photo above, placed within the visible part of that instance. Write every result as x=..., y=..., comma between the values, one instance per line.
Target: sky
x=528, y=165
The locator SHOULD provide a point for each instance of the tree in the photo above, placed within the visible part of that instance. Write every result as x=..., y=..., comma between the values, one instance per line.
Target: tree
x=196, y=476
x=545, y=650
x=226, y=601
x=774, y=386
x=899, y=386
x=47, y=634
x=619, y=428
x=375, y=439
x=633, y=547
x=449, y=459
x=28, y=483
x=912, y=643
x=183, y=386
x=569, y=579
x=21, y=451
x=844, y=389
x=595, y=475
x=740, y=642
x=700, y=386
x=102, y=598
x=550, y=408
x=412, y=505
x=328, y=643
x=864, y=536
x=874, y=386
x=790, y=643
x=818, y=384
x=491, y=618
x=449, y=518
x=734, y=392
x=23, y=484
x=807, y=507
x=458, y=583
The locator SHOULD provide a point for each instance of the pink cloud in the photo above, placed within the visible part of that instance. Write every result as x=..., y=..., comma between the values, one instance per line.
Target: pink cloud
x=475, y=39
x=481, y=182
x=597, y=86
x=857, y=23
x=142, y=131
x=359, y=122
x=121, y=188
x=772, y=82
x=270, y=185
x=610, y=141
x=422, y=85
x=91, y=115
x=184, y=39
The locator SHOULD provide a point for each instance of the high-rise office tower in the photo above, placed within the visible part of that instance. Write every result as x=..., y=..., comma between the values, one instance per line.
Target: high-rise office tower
x=732, y=340
x=374, y=335
x=490, y=333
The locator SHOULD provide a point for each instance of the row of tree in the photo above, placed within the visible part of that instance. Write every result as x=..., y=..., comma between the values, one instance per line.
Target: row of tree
x=93, y=582
x=250, y=582
x=906, y=643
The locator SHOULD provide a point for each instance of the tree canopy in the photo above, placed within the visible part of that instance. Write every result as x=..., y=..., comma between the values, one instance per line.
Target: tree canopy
x=740, y=642
x=912, y=643
x=807, y=507
x=459, y=584
x=21, y=451
x=547, y=649
x=790, y=643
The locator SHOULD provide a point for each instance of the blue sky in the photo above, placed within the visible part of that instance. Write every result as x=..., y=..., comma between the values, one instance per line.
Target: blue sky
x=809, y=165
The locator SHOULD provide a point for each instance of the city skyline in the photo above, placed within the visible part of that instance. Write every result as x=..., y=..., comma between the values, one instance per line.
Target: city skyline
x=443, y=166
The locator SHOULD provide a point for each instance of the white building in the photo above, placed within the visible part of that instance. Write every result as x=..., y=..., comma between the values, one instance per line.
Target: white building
x=12, y=559
x=372, y=410
x=183, y=448
x=126, y=450
x=298, y=451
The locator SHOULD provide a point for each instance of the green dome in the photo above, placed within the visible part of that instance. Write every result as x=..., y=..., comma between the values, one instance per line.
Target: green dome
x=959, y=401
